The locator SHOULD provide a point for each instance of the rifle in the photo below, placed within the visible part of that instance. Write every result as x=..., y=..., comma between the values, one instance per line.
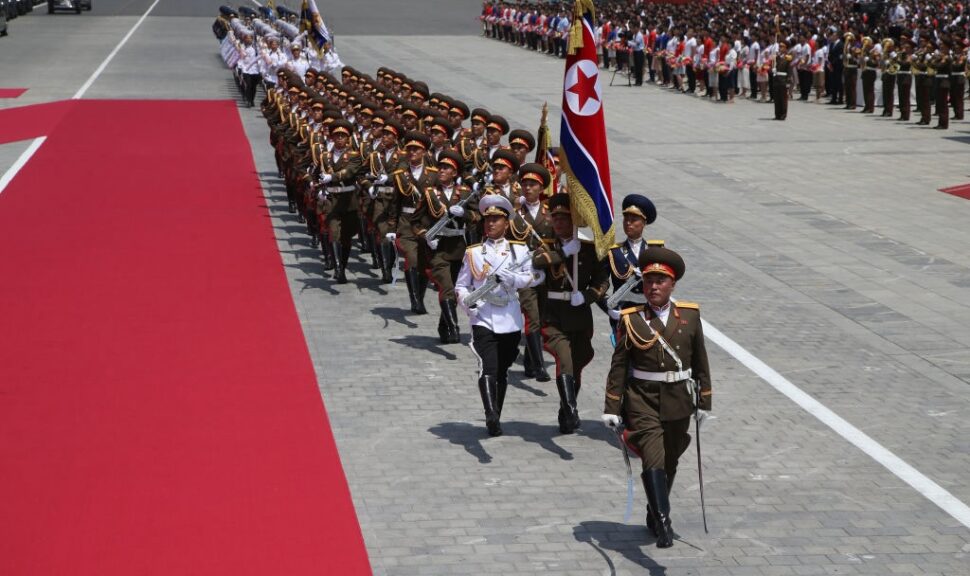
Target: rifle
x=491, y=282
x=620, y=293
x=438, y=228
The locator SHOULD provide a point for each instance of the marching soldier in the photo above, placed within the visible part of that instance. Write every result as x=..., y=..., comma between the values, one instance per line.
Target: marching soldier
x=476, y=138
x=495, y=128
x=638, y=213
x=337, y=197
x=411, y=179
x=659, y=355
x=445, y=199
x=574, y=280
x=531, y=223
x=386, y=158
x=496, y=320
x=521, y=142
x=457, y=113
x=439, y=131
x=504, y=168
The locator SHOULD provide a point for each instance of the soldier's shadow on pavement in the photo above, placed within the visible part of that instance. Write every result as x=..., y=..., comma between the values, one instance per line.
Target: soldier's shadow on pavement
x=520, y=385
x=541, y=434
x=623, y=538
x=426, y=343
x=398, y=315
x=595, y=430
x=466, y=435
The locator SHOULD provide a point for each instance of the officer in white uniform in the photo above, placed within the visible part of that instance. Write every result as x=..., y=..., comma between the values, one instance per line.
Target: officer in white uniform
x=496, y=318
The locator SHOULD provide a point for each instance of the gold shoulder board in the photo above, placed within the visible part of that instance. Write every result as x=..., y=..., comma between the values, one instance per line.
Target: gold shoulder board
x=691, y=305
x=633, y=309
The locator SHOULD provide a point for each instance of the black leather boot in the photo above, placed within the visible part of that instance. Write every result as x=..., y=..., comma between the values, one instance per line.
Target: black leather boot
x=326, y=248
x=527, y=364
x=443, y=324
x=533, y=343
x=658, y=506
x=568, y=413
x=503, y=386
x=451, y=319
x=420, y=287
x=411, y=279
x=387, y=260
x=340, y=261
x=488, y=388
x=375, y=252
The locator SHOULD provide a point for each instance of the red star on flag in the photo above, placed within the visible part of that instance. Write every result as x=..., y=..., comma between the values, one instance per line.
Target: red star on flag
x=584, y=88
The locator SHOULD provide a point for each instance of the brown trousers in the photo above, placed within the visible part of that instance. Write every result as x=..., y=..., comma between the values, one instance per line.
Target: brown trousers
x=660, y=443
x=572, y=350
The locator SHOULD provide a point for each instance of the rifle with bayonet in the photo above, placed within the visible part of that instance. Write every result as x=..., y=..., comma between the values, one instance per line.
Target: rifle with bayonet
x=620, y=293
x=439, y=227
x=492, y=282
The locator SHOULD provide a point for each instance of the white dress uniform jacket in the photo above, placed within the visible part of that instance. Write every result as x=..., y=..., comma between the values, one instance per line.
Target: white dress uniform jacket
x=499, y=311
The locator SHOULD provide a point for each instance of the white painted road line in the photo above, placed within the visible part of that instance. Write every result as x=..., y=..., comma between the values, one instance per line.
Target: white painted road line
x=20, y=163
x=100, y=69
x=917, y=480
x=11, y=172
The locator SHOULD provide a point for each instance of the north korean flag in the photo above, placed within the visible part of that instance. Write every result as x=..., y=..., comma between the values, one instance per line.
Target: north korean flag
x=583, y=150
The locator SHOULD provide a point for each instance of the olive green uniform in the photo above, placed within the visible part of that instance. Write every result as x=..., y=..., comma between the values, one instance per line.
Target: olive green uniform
x=657, y=414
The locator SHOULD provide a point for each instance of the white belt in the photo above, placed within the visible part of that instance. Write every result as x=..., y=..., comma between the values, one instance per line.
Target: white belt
x=781, y=73
x=956, y=74
x=904, y=72
x=384, y=188
x=340, y=189
x=564, y=296
x=408, y=210
x=673, y=376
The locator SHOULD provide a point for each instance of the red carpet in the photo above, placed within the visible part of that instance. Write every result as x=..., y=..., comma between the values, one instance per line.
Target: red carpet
x=11, y=92
x=963, y=191
x=158, y=407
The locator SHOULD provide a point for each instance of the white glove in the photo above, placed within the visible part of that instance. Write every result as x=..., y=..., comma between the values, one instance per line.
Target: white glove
x=472, y=312
x=613, y=314
x=577, y=299
x=320, y=196
x=611, y=421
x=432, y=243
x=391, y=236
x=456, y=211
x=326, y=178
x=506, y=276
x=704, y=416
x=572, y=247
x=382, y=179
x=372, y=192
x=522, y=200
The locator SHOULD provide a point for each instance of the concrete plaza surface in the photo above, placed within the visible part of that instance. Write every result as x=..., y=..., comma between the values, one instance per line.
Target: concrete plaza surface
x=820, y=245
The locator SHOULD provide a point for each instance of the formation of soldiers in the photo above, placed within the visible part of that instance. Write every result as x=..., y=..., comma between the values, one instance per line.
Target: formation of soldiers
x=383, y=166
x=845, y=52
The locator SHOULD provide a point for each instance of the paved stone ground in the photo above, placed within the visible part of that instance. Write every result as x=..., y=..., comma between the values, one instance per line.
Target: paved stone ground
x=819, y=244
